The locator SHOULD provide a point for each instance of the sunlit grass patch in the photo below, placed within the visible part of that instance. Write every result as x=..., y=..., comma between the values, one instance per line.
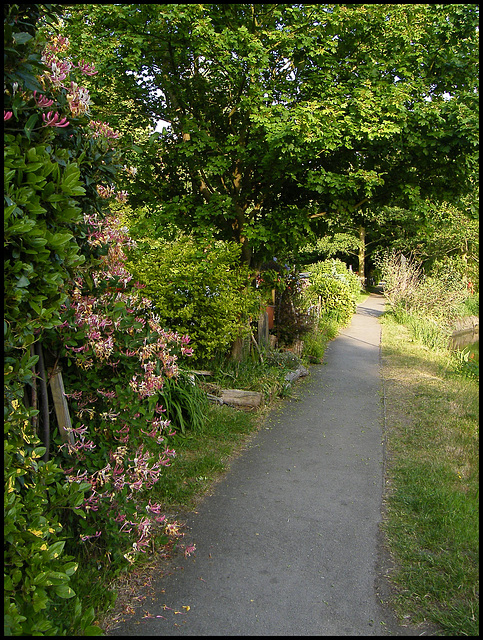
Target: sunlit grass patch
x=431, y=519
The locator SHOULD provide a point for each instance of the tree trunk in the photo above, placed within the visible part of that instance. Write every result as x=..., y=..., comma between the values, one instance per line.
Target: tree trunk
x=362, y=254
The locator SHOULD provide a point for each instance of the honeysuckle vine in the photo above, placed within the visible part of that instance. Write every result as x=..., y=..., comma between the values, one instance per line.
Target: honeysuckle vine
x=113, y=336
x=115, y=353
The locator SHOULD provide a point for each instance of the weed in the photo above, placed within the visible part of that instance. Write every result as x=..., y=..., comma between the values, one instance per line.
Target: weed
x=467, y=362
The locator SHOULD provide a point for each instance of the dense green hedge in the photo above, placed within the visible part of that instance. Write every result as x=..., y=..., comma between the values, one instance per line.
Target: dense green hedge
x=52, y=167
x=199, y=288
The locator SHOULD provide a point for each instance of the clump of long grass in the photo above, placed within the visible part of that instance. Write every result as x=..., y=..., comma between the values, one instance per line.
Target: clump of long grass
x=427, y=304
x=184, y=402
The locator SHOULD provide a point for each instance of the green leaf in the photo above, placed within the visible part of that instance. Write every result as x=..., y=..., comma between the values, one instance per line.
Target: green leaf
x=41, y=579
x=23, y=226
x=40, y=600
x=64, y=591
x=59, y=239
x=22, y=37
x=91, y=630
x=22, y=282
x=70, y=568
x=56, y=549
x=30, y=124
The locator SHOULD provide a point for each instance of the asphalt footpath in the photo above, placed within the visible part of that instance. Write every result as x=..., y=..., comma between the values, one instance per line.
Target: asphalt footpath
x=289, y=542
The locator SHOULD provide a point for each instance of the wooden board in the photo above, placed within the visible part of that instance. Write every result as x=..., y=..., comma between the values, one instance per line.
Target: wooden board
x=61, y=408
x=241, y=398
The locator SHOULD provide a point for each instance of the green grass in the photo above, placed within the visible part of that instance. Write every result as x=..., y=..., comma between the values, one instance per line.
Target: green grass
x=431, y=522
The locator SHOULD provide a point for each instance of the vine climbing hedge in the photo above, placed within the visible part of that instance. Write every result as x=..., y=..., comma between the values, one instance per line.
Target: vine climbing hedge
x=78, y=491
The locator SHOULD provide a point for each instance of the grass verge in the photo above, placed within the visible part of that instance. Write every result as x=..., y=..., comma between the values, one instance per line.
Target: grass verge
x=203, y=457
x=431, y=519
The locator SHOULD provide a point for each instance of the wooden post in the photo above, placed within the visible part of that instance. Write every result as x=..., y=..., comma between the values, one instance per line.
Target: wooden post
x=60, y=405
x=263, y=335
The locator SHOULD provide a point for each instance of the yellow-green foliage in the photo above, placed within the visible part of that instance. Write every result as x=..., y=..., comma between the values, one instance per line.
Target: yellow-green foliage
x=335, y=286
x=198, y=288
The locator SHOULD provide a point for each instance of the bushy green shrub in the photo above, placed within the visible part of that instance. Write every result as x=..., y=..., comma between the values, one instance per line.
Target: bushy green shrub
x=199, y=288
x=36, y=570
x=338, y=270
x=332, y=290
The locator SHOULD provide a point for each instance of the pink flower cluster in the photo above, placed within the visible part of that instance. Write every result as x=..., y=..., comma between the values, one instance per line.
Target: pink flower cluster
x=129, y=470
x=57, y=74
x=42, y=101
x=108, y=192
x=53, y=120
x=103, y=129
x=135, y=472
x=58, y=70
x=87, y=69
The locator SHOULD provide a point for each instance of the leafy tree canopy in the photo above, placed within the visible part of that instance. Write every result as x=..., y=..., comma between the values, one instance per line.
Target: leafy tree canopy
x=284, y=118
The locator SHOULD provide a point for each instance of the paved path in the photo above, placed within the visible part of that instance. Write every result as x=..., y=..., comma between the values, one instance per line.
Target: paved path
x=287, y=544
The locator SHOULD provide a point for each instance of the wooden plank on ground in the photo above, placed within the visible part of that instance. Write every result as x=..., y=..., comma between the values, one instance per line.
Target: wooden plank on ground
x=241, y=398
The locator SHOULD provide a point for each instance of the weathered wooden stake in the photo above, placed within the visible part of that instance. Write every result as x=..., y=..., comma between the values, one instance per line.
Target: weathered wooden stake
x=60, y=405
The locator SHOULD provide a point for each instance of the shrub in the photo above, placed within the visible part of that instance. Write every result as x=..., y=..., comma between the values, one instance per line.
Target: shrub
x=199, y=288
x=338, y=270
x=435, y=298
x=66, y=287
x=292, y=319
x=401, y=278
x=332, y=290
x=46, y=190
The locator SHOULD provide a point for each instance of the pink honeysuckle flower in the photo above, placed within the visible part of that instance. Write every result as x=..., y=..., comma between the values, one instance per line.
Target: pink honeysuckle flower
x=7, y=115
x=104, y=192
x=52, y=120
x=59, y=43
x=86, y=69
x=154, y=508
x=78, y=99
x=96, y=535
x=42, y=101
x=121, y=196
x=101, y=128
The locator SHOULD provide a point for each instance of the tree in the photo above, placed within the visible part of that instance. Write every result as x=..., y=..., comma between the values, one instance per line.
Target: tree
x=285, y=118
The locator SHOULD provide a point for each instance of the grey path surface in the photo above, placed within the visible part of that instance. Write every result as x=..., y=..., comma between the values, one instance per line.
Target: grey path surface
x=287, y=544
